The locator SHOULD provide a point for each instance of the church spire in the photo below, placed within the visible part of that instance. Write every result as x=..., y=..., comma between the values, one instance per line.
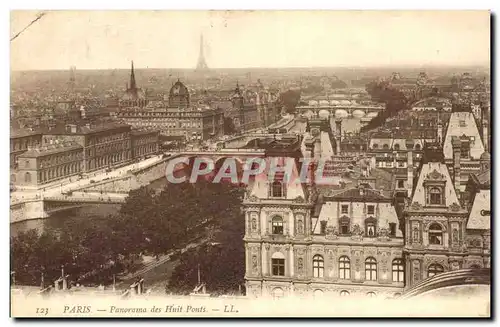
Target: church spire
x=133, y=86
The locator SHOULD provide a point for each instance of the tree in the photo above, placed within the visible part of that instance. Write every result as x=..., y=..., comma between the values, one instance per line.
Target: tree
x=289, y=99
x=222, y=260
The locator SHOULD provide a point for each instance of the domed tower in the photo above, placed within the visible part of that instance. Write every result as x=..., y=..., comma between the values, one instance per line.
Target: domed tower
x=179, y=96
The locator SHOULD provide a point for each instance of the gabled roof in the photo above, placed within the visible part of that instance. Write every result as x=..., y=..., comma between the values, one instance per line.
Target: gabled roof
x=434, y=171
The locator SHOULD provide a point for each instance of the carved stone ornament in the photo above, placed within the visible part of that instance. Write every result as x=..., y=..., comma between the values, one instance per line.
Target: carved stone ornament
x=416, y=206
x=253, y=198
x=331, y=232
x=435, y=175
x=455, y=207
x=356, y=230
x=254, y=264
x=299, y=199
x=383, y=233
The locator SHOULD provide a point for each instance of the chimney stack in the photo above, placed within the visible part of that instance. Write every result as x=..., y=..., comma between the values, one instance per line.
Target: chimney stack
x=409, y=146
x=484, y=121
x=456, y=144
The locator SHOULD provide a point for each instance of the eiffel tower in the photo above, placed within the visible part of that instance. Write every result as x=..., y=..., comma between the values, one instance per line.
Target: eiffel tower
x=202, y=64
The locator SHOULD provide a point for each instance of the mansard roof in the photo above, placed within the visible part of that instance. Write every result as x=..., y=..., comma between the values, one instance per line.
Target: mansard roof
x=480, y=214
x=436, y=171
x=359, y=194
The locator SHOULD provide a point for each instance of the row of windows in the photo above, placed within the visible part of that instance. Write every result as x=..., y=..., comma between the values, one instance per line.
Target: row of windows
x=396, y=146
x=60, y=158
x=389, y=164
x=279, y=293
x=370, y=209
x=278, y=268
x=344, y=224
x=16, y=145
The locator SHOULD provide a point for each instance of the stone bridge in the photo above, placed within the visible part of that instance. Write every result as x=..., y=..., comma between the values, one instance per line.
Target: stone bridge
x=326, y=111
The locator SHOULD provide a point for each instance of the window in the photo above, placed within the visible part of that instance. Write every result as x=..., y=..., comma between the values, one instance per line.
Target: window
x=371, y=209
x=344, y=293
x=401, y=164
x=277, y=189
x=278, y=264
x=371, y=294
x=475, y=267
x=386, y=146
x=323, y=227
x=371, y=269
x=398, y=272
x=392, y=227
x=396, y=147
x=375, y=146
x=344, y=268
x=27, y=177
x=462, y=123
x=465, y=150
x=344, y=226
x=277, y=225
x=345, y=209
x=401, y=183
x=435, y=196
x=434, y=269
x=435, y=234
x=318, y=266
x=370, y=224
x=418, y=147
x=278, y=293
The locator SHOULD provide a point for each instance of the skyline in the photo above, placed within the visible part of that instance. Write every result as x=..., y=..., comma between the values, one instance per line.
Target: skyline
x=94, y=40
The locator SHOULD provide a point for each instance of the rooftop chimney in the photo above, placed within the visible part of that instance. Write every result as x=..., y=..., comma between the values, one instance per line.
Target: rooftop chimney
x=456, y=144
x=409, y=145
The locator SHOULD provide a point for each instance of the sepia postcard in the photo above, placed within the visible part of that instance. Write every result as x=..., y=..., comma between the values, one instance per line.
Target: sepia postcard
x=250, y=164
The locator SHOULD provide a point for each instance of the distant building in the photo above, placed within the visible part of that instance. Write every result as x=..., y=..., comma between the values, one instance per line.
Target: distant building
x=21, y=141
x=104, y=146
x=65, y=151
x=49, y=163
x=178, y=119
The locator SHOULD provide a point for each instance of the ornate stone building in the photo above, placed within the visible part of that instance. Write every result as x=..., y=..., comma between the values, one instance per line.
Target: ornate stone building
x=177, y=118
x=348, y=243
x=435, y=222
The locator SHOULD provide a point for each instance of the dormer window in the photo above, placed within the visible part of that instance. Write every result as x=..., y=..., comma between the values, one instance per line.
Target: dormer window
x=396, y=147
x=370, y=209
x=277, y=189
x=435, y=196
x=344, y=225
x=370, y=228
x=465, y=150
x=345, y=209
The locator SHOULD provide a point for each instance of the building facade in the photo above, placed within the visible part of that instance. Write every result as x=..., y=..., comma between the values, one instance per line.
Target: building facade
x=22, y=141
x=178, y=118
x=440, y=232
x=104, y=146
x=144, y=143
x=353, y=247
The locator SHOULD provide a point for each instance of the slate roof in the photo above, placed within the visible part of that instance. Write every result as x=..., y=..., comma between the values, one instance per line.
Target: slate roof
x=478, y=218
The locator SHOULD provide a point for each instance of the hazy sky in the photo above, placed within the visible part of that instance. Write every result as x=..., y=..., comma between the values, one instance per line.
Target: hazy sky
x=161, y=39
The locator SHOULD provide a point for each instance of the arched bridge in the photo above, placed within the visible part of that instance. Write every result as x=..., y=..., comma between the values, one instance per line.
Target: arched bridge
x=452, y=281
x=325, y=111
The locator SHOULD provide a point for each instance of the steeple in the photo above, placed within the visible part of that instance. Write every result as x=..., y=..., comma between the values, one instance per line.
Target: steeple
x=133, y=86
